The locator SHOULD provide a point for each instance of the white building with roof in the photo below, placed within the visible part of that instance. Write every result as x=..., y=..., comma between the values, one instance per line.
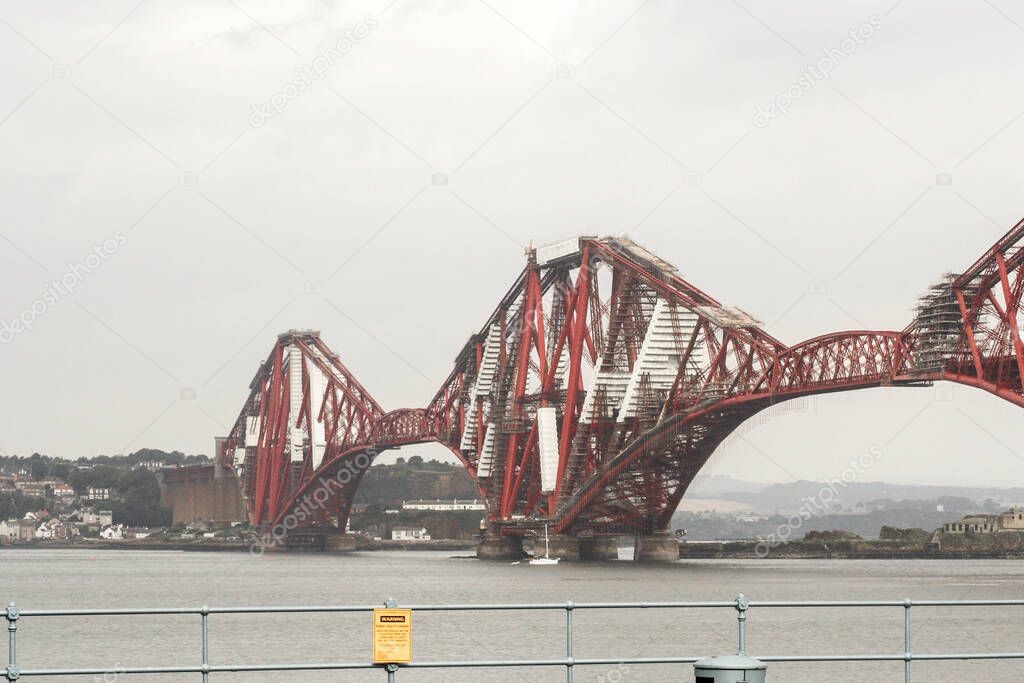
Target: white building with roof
x=409, y=533
x=453, y=505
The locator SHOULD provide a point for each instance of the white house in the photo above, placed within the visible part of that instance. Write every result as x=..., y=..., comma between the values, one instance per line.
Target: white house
x=55, y=529
x=91, y=517
x=113, y=533
x=16, y=530
x=64, y=491
x=409, y=533
x=93, y=493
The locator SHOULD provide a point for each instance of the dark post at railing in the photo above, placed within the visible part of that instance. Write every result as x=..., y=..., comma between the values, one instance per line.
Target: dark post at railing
x=392, y=669
x=204, y=613
x=907, y=657
x=742, y=605
x=12, y=615
x=569, y=607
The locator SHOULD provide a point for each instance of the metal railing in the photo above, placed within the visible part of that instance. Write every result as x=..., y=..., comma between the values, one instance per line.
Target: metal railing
x=741, y=605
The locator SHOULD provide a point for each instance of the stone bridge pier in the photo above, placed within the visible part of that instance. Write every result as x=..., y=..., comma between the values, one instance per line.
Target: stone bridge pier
x=659, y=547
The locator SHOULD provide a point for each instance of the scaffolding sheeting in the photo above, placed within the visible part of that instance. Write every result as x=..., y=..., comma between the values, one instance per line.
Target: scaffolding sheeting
x=939, y=326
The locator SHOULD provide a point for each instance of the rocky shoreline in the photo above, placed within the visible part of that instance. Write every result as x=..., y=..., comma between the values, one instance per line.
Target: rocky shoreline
x=893, y=544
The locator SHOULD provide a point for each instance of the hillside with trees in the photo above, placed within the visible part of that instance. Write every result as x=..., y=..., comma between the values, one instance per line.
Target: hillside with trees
x=415, y=479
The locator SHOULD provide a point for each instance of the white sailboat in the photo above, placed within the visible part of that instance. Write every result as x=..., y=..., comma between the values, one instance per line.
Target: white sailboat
x=547, y=560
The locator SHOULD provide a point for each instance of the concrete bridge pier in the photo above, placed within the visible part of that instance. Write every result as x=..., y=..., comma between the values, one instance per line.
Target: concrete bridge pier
x=599, y=549
x=313, y=539
x=565, y=548
x=339, y=543
x=658, y=547
x=500, y=548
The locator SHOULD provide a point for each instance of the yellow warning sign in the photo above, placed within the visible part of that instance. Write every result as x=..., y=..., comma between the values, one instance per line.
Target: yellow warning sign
x=392, y=636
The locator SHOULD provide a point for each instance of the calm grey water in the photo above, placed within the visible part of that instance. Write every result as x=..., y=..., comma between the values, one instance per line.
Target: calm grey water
x=78, y=579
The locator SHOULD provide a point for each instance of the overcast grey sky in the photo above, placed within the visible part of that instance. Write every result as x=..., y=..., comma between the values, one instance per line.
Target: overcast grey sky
x=138, y=133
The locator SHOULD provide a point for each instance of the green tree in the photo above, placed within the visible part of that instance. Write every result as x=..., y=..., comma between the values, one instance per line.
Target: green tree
x=138, y=500
x=100, y=476
x=60, y=469
x=38, y=469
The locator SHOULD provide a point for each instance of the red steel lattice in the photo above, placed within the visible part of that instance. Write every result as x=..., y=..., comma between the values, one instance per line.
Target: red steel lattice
x=645, y=373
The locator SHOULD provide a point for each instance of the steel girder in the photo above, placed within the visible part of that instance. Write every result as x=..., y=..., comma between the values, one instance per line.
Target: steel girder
x=989, y=353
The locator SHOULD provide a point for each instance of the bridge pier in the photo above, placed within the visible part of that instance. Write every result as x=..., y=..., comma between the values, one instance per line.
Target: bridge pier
x=340, y=543
x=599, y=549
x=500, y=548
x=311, y=539
x=565, y=548
x=659, y=547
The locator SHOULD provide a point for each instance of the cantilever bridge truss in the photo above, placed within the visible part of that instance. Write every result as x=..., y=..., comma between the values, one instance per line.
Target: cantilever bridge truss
x=599, y=387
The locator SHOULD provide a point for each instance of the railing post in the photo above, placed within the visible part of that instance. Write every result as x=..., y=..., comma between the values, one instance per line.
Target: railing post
x=392, y=669
x=12, y=613
x=907, y=656
x=204, y=612
x=569, y=608
x=742, y=605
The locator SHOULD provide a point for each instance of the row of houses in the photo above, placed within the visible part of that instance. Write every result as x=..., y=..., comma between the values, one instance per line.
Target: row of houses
x=43, y=488
x=27, y=529
x=120, y=532
x=409, y=533
x=453, y=505
x=67, y=527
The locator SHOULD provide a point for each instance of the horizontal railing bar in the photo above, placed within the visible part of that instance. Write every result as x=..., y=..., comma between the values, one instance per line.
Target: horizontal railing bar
x=282, y=609
x=891, y=603
x=967, y=603
x=196, y=669
x=968, y=657
x=369, y=608
x=228, y=668
x=158, y=611
x=527, y=663
x=892, y=658
x=576, y=606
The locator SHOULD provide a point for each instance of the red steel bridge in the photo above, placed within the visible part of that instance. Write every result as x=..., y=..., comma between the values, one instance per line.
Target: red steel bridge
x=598, y=388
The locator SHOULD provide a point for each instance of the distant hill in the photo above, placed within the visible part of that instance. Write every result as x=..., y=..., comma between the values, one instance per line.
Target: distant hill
x=712, y=486
x=858, y=496
x=860, y=507
x=929, y=514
